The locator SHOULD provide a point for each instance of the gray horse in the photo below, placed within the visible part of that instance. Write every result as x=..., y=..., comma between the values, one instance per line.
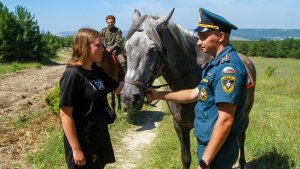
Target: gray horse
x=156, y=46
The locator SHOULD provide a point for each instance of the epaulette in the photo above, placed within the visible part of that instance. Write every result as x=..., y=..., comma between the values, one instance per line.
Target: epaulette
x=225, y=58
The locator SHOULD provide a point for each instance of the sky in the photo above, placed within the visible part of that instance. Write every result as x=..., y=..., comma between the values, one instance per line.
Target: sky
x=70, y=15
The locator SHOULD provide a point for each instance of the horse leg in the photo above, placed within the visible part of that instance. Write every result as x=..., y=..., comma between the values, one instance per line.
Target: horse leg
x=184, y=138
x=113, y=102
x=119, y=102
x=242, y=136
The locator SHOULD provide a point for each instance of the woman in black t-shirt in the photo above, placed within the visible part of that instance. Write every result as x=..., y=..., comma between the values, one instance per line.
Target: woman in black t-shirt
x=83, y=89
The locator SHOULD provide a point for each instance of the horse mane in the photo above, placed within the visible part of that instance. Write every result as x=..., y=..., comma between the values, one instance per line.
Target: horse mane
x=182, y=36
x=135, y=26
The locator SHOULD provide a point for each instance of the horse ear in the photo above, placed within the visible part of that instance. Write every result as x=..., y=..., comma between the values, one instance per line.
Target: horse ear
x=136, y=15
x=163, y=21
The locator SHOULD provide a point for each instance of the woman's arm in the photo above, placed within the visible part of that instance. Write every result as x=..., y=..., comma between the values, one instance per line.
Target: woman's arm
x=70, y=132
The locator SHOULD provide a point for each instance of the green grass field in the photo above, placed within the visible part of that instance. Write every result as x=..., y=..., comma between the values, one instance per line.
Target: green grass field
x=272, y=142
x=15, y=67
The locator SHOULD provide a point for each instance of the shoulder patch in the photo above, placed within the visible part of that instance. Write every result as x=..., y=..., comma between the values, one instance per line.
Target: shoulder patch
x=228, y=83
x=228, y=70
x=225, y=58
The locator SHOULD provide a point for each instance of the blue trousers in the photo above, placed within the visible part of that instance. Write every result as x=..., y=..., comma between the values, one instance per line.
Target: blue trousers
x=225, y=158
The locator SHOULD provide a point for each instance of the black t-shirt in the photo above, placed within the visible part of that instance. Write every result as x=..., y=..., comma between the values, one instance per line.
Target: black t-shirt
x=77, y=91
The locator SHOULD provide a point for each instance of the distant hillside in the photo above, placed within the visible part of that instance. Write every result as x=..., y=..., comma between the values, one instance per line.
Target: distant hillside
x=66, y=34
x=269, y=34
x=240, y=34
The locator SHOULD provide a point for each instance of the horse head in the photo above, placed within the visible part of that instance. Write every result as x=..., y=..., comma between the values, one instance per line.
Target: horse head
x=144, y=51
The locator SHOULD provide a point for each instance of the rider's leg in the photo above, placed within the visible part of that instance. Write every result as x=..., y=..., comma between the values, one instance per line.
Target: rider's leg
x=122, y=62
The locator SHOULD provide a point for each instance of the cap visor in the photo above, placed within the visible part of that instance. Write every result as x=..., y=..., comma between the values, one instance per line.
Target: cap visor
x=201, y=29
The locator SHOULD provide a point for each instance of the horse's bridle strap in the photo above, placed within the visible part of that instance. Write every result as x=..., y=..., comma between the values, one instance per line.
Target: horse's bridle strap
x=136, y=83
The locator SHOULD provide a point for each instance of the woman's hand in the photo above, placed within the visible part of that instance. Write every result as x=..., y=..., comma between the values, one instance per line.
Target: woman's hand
x=79, y=158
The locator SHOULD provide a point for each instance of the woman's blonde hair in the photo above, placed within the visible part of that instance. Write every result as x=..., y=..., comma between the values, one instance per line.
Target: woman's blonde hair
x=80, y=45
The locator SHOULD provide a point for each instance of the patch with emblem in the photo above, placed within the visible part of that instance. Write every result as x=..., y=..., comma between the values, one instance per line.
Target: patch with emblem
x=203, y=94
x=205, y=81
x=228, y=70
x=228, y=83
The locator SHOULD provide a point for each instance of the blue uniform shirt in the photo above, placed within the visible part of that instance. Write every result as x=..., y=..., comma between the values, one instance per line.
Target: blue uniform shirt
x=224, y=80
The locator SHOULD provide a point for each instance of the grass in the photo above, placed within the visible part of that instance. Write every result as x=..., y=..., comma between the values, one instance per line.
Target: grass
x=50, y=154
x=164, y=152
x=16, y=66
x=273, y=135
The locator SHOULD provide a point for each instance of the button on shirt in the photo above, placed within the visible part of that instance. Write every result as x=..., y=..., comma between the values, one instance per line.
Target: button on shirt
x=224, y=80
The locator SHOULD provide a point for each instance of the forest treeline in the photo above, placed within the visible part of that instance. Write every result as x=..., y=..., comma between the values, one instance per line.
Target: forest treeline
x=21, y=39
x=287, y=48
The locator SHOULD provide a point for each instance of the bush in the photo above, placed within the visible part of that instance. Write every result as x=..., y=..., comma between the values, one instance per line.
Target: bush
x=52, y=100
x=270, y=71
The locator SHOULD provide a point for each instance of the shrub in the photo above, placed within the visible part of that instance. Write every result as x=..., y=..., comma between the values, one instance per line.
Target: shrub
x=270, y=70
x=52, y=100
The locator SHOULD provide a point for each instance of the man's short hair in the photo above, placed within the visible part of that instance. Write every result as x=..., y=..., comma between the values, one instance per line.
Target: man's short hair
x=111, y=17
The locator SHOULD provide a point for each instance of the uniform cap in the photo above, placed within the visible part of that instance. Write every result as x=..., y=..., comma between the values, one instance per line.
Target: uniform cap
x=209, y=21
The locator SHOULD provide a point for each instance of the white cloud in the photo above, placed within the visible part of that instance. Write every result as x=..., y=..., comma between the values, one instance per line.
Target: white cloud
x=106, y=4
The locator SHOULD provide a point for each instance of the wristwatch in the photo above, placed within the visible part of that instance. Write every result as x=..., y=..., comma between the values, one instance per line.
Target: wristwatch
x=203, y=164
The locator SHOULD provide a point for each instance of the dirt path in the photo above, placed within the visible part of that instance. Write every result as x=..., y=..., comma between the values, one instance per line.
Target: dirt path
x=22, y=111
x=137, y=140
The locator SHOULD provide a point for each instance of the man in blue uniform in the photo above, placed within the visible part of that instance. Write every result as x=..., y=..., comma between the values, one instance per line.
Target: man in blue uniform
x=221, y=94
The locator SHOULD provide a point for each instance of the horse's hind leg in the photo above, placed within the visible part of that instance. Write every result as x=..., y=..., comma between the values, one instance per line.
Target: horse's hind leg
x=119, y=102
x=184, y=138
x=242, y=136
x=113, y=102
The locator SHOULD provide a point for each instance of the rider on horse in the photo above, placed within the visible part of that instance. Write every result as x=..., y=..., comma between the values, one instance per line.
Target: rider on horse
x=112, y=41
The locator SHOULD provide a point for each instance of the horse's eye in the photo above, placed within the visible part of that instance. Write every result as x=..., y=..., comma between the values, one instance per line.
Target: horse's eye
x=152, y=50
x=140, y=30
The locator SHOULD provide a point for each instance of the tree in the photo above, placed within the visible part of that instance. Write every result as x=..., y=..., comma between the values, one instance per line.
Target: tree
x=29, y=40
x=21, y=39
x=8, y=36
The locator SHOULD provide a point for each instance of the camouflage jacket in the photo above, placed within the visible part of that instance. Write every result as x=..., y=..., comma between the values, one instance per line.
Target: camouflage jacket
x=112, y=38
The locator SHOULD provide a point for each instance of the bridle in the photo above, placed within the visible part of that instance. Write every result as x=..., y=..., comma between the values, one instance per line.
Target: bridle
x=158, y=70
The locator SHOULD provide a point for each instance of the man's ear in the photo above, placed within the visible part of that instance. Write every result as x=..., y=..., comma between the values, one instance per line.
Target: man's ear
x=221, y=36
